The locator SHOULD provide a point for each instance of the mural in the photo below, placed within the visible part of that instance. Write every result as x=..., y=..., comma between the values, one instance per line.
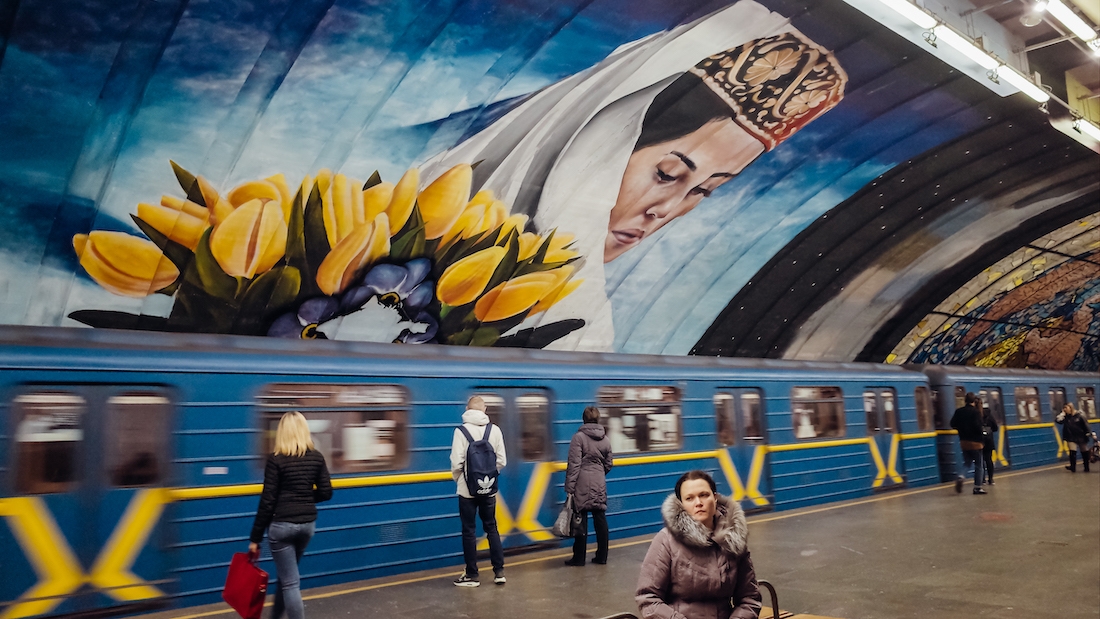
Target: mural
x=590, y=175
x=1038, y=308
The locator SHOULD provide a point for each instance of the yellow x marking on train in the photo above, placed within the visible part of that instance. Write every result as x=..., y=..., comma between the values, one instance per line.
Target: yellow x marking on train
x=58, y=570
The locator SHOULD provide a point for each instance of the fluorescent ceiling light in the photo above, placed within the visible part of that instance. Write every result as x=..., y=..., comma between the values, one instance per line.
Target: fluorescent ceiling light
x=1088, y=129
x=912, y=13
x=964, y=45
x=1095, y=46
x=1027, y=86
x=1071, y=20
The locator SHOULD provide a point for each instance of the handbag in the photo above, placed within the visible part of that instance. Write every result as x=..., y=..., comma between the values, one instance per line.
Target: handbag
x=564, y=525
x=245, y=586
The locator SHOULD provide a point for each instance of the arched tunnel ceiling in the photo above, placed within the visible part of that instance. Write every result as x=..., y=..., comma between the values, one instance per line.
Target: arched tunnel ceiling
x=844, y=196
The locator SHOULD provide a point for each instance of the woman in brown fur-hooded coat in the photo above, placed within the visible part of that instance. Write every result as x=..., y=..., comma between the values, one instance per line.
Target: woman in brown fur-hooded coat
x=692, y=571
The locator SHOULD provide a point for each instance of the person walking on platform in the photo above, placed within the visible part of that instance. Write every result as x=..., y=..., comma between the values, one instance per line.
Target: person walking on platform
x=698, y=566
x=990, y=430
x=590, y=460
x=477, y=455
x=968, y=421
x=1076, y=432
x=295, y=480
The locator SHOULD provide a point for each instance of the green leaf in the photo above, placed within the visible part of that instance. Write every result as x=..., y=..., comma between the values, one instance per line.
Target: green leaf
x=528, y=266
x=485, y=336
x=105, y=319
x=170, y=289
x=178, y=254
x=374, y=179
x=295, y=233
x=410, y=243
x=205, y=272
x=197, y=311
x=267, y=296
x=316, y=241
x=189, y=183
x=507, y=265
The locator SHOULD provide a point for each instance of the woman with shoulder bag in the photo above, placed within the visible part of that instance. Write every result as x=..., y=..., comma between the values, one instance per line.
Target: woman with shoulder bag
x=295, y=479
x=990, y=429
x=590, y=459
x=1076, y=432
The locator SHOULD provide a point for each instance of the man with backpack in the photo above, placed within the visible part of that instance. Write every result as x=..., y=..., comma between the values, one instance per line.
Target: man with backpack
x=477, y=455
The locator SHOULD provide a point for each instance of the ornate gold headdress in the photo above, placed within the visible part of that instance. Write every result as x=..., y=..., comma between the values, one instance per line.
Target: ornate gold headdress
x=775, y=85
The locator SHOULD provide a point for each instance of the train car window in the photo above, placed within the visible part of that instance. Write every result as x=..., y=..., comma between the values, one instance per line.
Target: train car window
x=494, y=408
x=991, y=399
x=724, y=418
x=1027, y=405
x=752, y=415
x=1086, y=401
x=817, y=412
x=1057, y=397
x=641, y=418
x=137, y=439
x=358, y=428
x=960, y=397
x=48, y=435
x=745, y=404
x=925, y=415
x=870, y=408
x=534, y=416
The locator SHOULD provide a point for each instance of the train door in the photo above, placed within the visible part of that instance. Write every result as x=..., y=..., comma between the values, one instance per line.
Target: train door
x=991, y=399
x=881, y=405
x=739, y=418
x=523, y=415
x=89, y=461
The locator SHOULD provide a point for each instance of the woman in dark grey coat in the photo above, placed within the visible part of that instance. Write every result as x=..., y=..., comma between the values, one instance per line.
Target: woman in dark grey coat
x=590, y=460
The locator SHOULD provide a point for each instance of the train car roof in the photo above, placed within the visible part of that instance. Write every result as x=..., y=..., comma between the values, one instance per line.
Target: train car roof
x=946, y=373
x=162, y=350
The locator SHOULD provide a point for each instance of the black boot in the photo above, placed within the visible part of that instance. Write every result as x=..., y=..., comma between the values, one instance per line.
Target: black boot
x=1072, y=462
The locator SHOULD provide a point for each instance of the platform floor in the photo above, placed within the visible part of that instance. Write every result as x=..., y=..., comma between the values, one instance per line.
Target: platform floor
x=1028, y=549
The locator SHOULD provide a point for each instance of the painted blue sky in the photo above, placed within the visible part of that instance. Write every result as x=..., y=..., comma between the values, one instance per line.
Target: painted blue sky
x=96, y=98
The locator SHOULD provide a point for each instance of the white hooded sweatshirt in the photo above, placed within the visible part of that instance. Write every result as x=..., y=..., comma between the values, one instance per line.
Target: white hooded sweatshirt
x=475, y=422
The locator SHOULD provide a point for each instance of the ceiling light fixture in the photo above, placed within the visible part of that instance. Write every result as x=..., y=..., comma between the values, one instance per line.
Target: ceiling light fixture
x=1087, y=128
x=912, y=13
x=1040, y=6
x=1025, y=85
x=966, y=46
x=1070, y=19
x=1094, y=45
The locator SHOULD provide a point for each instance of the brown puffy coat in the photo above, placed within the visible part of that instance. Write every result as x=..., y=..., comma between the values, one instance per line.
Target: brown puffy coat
x=692, y=573
x=590, y=460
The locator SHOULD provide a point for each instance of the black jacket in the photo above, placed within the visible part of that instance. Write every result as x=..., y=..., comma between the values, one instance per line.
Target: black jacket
x=968, y=421
x=1074, y=428
x=289, y=493
x=989, y=422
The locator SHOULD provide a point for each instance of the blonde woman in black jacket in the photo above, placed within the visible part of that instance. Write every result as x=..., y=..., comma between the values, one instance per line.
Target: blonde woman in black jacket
x=295, y=478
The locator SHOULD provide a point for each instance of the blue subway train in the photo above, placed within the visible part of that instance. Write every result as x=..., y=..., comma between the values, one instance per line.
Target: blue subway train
x=131, y=463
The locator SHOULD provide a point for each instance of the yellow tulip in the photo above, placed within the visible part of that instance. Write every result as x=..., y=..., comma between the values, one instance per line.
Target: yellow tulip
x=251, y=239
x=556, y=252
x=338, y=208
x=209, y=194
x=561, y=288
x=186, y=206
x=466, y=279
x=253, y=190
x=364, y=246
x=285, y=197
x=376, y=199
x=471, y=215
x=123, y=264
x=404, y=197
x=515, y=222
x=514, y=296
x=528, y=244
x=176, y=224
x=441, y=203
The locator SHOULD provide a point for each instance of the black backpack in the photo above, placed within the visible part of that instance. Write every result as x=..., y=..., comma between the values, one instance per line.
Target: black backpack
x=481, y=464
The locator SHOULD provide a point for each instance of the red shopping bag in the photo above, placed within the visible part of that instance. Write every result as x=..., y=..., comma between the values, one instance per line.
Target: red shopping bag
x=245, y=586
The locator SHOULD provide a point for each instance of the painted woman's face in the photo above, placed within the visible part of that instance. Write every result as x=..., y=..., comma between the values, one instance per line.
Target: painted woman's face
x=667, y=180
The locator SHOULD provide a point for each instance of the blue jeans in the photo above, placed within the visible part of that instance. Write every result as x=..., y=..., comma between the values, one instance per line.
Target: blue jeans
x=973, y=457
x=468, y=510
x=288, y=541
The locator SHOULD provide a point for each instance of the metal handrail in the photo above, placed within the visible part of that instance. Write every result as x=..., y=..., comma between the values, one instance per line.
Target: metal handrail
x=774, y=597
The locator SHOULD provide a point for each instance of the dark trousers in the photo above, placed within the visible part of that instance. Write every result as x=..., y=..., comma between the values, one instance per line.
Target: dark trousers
x=987, y=457
x=486, y=508
x=973, y=457
x=580, y=541
x=1073, y=459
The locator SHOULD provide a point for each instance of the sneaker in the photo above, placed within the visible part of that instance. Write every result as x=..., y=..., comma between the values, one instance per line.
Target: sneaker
x=959, y=485
x=980, y=491
x=467, y=581
x=990, y=483
x=499, y=579
x=575, y=563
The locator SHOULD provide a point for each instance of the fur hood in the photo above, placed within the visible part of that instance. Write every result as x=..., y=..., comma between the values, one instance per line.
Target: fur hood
x=731, y=533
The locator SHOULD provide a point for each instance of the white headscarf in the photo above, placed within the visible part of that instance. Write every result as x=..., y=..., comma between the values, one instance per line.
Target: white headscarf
x=560, y=156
